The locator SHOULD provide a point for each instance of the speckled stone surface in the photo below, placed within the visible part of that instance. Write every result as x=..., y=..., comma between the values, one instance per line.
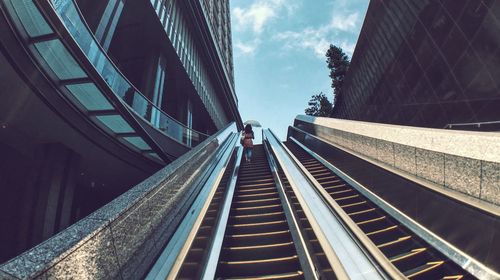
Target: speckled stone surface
x=5, y=276
x=385, y=152
x=49, y=252
x=131, y=230
x=430, y=165
x=96, y=259
x=490, y=184
x=405, y=158
x=369, y=147
x=136, y=266
x=463, y=175
x=471, y=144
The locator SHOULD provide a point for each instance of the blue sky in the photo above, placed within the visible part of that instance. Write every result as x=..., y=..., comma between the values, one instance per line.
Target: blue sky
x=279, y=48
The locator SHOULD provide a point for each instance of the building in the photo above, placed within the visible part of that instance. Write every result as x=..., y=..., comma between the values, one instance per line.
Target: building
x=425, y=63
x=96, y=96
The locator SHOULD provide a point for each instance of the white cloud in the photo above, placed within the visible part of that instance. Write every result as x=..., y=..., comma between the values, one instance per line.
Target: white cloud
x=318, y=39
x=260, y=13
x=247, y=48
x=344, y=22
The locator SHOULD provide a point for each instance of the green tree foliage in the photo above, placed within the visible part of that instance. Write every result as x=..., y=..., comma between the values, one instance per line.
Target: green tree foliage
x=319, y=106
x=338, y=63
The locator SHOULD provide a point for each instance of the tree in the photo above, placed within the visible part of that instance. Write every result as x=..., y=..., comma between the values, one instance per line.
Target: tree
x=338, y=63
x=319, y=106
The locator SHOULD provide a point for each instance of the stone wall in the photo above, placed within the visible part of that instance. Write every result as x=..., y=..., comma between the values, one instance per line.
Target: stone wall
x=463, y=161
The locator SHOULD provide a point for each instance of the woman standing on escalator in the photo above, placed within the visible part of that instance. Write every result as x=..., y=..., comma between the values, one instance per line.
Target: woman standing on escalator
x=248, y=142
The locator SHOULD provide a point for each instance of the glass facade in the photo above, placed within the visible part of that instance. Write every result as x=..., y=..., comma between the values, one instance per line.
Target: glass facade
x=425, y=63
x=191, y=53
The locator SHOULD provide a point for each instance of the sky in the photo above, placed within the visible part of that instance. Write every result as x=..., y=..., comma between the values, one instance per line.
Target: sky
x=279, y=51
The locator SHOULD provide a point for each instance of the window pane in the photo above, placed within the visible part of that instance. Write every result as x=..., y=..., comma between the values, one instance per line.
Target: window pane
x=59, y=60
x=138, y=142
x=116, y=123
x=33, y=22
x=90, y=96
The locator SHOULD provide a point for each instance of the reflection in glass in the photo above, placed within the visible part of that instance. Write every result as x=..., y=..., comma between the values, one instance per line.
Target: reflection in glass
x=89, y=96
x=116, y=123
x=31, y=19
x=59, y=60
x=138, y=142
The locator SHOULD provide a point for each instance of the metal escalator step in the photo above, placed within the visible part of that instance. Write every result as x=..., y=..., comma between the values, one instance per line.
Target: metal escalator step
x=341, y=192
x=275, y=250
x=260, y=267
x=335, y=187
x=296, y=275
x=269, y=194
x=256, y=190
x=453, y=277
x=250, y=185
x=253, y=218
x=378, y=219
x=314, y=167
x=382, y=231
x=394, y=242
x=255, y=180
x=254, y=239
x=256, y=209
x=423, y=270
x=410, y=259
x=354, y=207
x=325, y=179
x=257, y=227
x=343, y=198
x=256, y=202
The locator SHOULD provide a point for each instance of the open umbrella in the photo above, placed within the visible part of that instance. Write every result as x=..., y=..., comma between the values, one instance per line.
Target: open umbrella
x=253, y=123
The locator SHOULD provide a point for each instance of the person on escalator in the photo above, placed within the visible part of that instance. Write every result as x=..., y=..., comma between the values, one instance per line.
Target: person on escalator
x=248, y=142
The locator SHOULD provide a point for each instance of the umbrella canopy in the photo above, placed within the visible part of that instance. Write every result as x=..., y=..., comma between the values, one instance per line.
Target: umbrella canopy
x=253, y=123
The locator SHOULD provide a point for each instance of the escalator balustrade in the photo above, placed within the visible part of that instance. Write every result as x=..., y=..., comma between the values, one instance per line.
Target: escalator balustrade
x=412, y=256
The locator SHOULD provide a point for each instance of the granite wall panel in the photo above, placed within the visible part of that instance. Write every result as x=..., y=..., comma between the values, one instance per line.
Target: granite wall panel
x=490, y=182
x=385, y=152
x=96, y=259
x=430, y=165
x=463, y=175
x=405, y=158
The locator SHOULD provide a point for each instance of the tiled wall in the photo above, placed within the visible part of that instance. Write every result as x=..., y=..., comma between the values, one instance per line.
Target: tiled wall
x=476, y=178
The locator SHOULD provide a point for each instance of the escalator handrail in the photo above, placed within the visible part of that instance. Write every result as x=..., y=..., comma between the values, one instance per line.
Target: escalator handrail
x=308, y=267
x=216, y=244
x=364, y=241
x=347, y=258
x=463, y=260
x=170, y=261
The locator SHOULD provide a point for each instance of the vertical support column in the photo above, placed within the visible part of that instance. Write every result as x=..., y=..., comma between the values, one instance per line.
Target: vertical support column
x=54, y=190
x=107, y=25
x=189, y=122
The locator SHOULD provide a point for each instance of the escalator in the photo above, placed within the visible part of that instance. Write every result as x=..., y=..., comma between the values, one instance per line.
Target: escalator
x=258, y=242
x=414, y=257
x=258, y=238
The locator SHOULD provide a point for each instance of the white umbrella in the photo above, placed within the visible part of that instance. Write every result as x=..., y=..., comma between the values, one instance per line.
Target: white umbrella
x=253, y=123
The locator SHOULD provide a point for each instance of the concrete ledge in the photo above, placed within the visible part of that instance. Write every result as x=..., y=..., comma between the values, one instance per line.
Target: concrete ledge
x=122, y=239
x=462, y=161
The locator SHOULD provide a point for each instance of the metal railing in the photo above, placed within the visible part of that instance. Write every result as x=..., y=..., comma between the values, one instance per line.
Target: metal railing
x=75, y=23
